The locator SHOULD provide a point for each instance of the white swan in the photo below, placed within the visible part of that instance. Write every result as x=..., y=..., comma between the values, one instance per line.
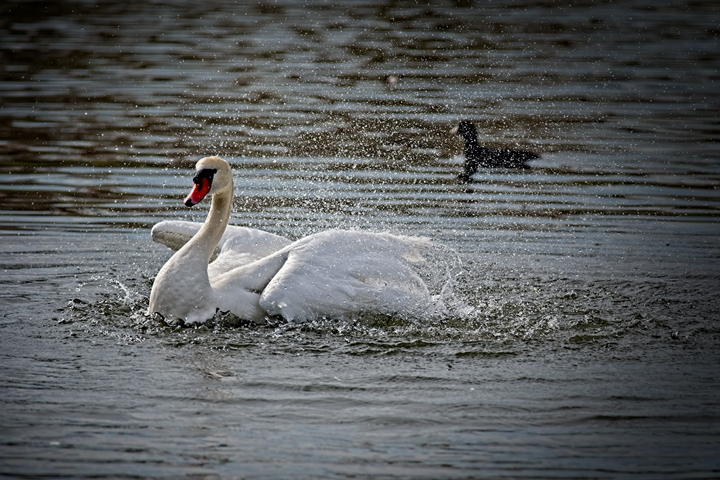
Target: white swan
x=256, y=275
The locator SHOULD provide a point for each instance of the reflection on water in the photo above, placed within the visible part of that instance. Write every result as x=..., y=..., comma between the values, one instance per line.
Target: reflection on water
x=583, y=290
x=143, y=82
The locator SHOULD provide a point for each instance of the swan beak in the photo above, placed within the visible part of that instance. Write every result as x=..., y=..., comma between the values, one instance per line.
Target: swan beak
x=198, y=193
x=454, y=130
x=203, y=181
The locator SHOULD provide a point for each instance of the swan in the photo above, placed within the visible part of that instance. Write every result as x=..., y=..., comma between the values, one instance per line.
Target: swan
x=477, y=156
x=257, y=275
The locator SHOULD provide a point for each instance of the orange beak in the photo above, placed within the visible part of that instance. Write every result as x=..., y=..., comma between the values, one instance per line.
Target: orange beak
x=198, y=192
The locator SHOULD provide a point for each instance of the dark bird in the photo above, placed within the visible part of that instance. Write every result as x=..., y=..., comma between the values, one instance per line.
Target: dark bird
x=477, y=156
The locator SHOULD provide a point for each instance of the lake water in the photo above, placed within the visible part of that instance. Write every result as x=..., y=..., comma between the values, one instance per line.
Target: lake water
x=584, y=333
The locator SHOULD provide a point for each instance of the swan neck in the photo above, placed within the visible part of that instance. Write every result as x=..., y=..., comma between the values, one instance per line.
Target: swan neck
x=216, y=222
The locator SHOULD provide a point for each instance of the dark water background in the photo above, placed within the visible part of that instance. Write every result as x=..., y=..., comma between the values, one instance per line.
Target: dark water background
x=584, y=340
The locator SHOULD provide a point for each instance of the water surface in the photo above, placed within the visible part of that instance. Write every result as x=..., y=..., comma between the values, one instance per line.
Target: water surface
x=583, y=338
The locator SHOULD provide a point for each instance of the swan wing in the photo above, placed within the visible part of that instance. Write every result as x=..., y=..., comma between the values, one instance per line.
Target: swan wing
x=241, y=246
x=175, y=234
x=341, y=274
x=238, y=246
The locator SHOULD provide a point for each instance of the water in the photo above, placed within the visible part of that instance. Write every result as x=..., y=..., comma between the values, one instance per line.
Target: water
x=584, y=338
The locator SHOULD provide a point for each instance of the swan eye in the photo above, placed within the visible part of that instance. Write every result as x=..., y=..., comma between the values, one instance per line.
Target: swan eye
x=205, y=173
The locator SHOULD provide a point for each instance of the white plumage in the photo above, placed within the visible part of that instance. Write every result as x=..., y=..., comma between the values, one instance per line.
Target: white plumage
x=255, y=274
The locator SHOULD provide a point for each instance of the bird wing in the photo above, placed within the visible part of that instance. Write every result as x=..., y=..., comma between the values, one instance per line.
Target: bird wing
x=340, y=274
x=238, y=245
x=175, y=234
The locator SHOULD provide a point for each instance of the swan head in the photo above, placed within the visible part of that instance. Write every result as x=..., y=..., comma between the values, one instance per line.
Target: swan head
x=212, y=175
